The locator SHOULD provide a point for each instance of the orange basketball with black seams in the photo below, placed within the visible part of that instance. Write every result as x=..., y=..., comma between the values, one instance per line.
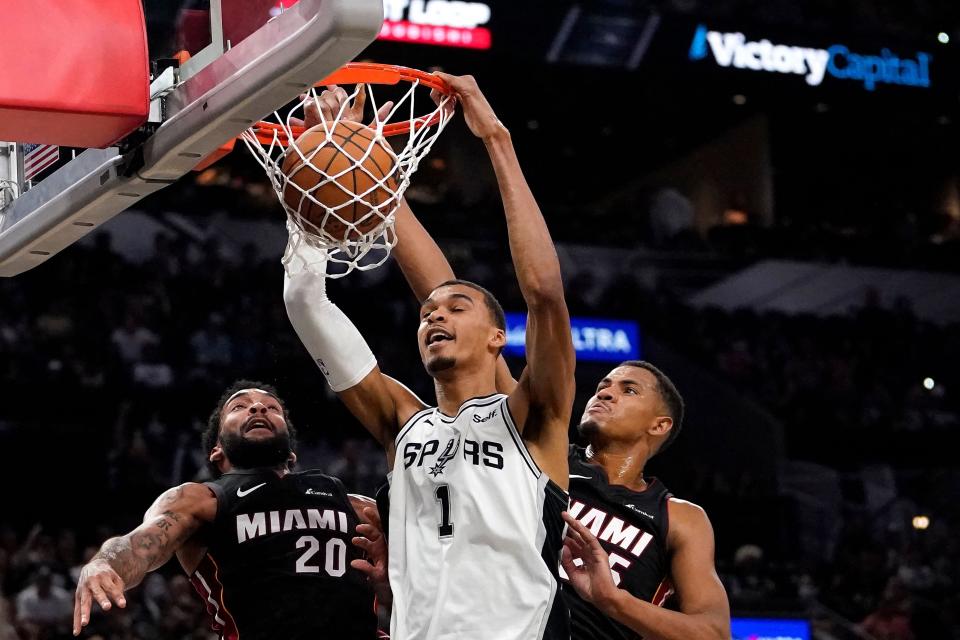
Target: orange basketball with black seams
x=321, y=167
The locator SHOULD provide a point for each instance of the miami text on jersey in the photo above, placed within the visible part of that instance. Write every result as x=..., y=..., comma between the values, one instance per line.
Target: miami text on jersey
x=255, y=525
x=612, y=529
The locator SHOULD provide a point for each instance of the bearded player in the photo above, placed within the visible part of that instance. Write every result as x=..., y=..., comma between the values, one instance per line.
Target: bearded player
x=478, y=482
x=268, y=550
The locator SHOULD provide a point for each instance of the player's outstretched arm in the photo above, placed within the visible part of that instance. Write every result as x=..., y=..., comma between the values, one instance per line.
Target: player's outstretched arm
x=419, y=257
x=704, y=610
x=542, y=401
x=379, y=402
x=122, y=562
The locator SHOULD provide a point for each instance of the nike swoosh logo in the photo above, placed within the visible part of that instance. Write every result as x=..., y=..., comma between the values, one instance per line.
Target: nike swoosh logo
x=582, y=477
x=241, y=493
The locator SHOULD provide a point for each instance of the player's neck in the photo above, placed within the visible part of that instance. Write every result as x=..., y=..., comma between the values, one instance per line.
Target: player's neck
x=280, y=471
x=454, y=390
x=623, y=463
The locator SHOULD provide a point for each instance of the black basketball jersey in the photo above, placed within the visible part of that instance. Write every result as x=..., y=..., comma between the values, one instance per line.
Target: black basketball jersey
x=632, y=528
x=278, y=560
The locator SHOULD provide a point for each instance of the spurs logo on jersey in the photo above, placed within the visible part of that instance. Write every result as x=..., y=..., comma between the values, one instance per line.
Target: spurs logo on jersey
x=469, y=506
x=632, y=528
x=488, y=454
x=452, y=446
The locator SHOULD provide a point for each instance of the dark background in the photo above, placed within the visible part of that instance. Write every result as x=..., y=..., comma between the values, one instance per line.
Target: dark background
x=810, y=439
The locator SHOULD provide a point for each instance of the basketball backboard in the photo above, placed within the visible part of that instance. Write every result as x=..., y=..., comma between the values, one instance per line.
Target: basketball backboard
x=245, y=59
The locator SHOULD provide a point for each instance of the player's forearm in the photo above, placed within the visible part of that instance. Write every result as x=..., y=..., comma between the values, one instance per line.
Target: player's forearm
x=421, y=260
x=656, y=623
x=534, y=255
x=329, y=336
x=131, y=556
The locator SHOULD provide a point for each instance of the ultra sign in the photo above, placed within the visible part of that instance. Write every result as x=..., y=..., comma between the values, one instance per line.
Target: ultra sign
x=769, y=629
x=593, y=338
x=733, y=49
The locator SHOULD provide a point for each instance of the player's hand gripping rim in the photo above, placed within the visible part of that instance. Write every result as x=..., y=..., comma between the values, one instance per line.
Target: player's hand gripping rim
x=478, y=113
x=328, y=104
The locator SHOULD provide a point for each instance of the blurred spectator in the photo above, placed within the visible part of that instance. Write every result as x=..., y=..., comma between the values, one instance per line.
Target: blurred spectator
x=7, y=630
x=152, y=371
x=211, y=344
x=891, y=620
x=360, y=465
x=749, y=585
x=671, y=214
x=44, y=605
x=132, y=338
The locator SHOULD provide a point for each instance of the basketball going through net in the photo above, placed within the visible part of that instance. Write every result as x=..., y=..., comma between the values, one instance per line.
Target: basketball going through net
x=341, y=181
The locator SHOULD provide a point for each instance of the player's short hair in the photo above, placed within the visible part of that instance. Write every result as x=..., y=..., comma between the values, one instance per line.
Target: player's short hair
x=212, y=433
x=493, y=305
x=668, y=392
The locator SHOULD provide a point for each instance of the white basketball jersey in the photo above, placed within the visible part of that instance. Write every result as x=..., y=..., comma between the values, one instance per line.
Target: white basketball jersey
x=475, y=531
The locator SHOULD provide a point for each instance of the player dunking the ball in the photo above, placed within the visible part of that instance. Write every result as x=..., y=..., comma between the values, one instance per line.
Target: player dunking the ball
x=478, y=482
x=268, y=550
x=634, y=544
x=631, y=543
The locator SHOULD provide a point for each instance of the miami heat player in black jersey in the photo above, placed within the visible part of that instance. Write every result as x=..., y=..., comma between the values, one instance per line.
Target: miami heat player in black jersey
x=268, y=550
x=280, y=547
x=632, y=528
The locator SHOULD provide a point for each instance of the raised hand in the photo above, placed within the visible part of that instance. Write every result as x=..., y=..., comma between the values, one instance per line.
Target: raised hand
x=327, y=106
x=591, y=579
x=98, y=583
x=477, y=111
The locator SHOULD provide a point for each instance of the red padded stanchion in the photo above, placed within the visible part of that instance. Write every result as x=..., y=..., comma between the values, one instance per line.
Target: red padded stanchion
x=73, y=72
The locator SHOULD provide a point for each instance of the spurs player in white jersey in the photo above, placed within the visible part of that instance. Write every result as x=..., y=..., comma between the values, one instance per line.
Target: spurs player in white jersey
x=478, y=482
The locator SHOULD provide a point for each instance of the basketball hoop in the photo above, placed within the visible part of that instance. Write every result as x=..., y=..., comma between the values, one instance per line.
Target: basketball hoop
x=359, y=241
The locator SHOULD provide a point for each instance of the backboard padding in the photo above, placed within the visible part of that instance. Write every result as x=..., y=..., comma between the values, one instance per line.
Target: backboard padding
x=257, y=76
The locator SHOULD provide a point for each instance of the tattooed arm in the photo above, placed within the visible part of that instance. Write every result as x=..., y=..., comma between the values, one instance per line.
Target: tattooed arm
x=122, y=562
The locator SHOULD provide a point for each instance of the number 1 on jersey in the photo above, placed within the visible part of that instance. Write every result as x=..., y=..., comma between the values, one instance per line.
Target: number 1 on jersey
x=443, y=497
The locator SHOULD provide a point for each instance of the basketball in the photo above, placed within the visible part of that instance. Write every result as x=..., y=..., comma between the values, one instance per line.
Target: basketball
x=341, y=173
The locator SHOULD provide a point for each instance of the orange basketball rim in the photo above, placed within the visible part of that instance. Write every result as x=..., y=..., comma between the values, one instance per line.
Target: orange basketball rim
x=322, y=207
x=351, y=73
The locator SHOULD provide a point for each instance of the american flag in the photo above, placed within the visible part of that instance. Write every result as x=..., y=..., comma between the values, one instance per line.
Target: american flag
x=37, y=157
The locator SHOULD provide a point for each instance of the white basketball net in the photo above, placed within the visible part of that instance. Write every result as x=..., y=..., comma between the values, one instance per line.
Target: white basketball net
x=364, y=243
